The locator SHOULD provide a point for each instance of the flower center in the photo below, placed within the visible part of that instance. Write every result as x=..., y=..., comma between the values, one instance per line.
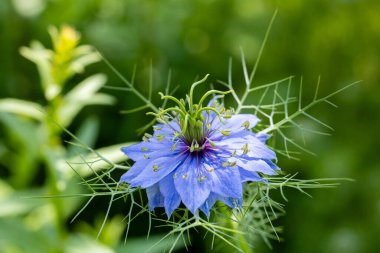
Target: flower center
x=193, y=125
x=194, y=132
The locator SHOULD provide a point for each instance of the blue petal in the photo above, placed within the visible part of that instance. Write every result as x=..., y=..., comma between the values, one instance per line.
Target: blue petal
x=225, y=181
x=262, y=137
x=152, y=149
x=231, y=202
x=193, y=191
x=256, y=165
x=135, y=170
x=167, y=129
x=208, y=204
x=236, y=122
x=155, y=197
x=154, y=171
x=172, y=198
x=246, y=175
x=272, y=165
x=259, y=150
x=256, y=149
x=134, y=151
x=137, y=151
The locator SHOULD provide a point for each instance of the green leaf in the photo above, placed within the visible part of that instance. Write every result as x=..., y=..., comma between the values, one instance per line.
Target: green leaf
x=16, y=236
x=22, y=147
x=152, y=244
x=87, y=133
x=17, y=202
x=22, y=107
x=78, y=243
x=41, y=56
x=85, y=93
x=85, y=55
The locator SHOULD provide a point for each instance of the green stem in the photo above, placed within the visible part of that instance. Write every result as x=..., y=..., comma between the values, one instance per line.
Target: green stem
x=234, y=225
x=53, y=182
x=240, y=237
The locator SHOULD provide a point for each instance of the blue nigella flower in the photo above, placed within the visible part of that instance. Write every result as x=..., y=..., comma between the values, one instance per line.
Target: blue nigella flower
x=198, y=155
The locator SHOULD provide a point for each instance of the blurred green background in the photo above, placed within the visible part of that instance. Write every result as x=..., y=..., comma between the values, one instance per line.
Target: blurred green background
x=336, y=39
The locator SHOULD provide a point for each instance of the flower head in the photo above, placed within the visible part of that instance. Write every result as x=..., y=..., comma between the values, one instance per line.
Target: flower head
x=198, y=155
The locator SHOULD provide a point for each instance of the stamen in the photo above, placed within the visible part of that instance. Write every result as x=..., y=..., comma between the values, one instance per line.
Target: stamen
x=246, y=124
x=162, y=121
x=201, y=179
x=211, y=142
x=160, y=137
x=245, y=149
x=174, y=146
x=225, y=164
x=225, y=132
x=155, y=168
x=157, y=128
x=192, y=148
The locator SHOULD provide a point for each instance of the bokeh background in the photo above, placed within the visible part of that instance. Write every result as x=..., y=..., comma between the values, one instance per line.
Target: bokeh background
x=338, y=40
